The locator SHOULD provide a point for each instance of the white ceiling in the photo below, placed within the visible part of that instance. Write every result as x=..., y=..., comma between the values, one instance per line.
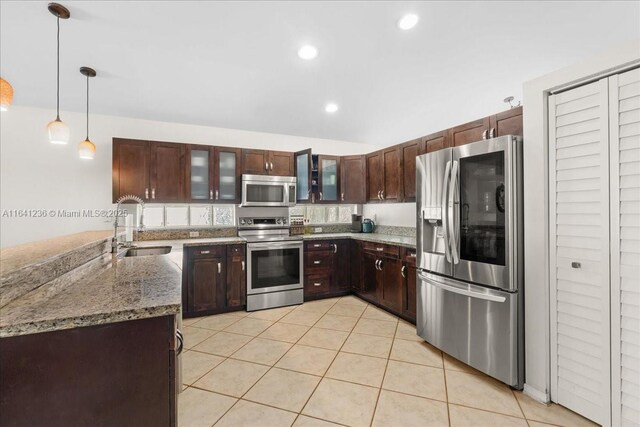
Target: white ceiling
x=234, y=64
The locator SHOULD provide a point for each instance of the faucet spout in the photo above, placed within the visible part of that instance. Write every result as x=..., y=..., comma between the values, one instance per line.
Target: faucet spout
x=125, y=198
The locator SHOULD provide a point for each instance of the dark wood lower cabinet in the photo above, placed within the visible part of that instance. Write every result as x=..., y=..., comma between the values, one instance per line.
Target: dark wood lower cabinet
x=390, y=287
x=326, y=268
x=213, y=279
x=409, y=288
x=119, y=374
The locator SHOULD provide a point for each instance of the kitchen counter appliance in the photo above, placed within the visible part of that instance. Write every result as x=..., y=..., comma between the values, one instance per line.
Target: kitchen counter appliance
x=356, y=223
x=470, y=255
x=274, y=258
x=268, y=191
x=368, y=226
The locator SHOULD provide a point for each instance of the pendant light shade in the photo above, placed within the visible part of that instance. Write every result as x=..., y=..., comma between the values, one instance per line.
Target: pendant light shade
x=58, y=132
x=57, y=129
x=87, y=149
x=6, y=94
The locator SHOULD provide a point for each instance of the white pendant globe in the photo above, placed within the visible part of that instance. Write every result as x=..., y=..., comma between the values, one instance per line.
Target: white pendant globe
x=58, y=132
x=87, y=150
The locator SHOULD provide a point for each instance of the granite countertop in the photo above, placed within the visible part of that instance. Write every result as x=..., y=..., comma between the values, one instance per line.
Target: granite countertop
x=21, y=256
x=405, y=241
x=178, y=244
x=109, y=290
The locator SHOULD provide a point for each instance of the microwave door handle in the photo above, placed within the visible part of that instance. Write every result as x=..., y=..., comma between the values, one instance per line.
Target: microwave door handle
x=444, y=208
x=487, y=295
x=453, y=227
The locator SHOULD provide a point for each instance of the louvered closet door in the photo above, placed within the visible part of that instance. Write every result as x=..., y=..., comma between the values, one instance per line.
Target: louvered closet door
x=579, y=250
x=624, y=96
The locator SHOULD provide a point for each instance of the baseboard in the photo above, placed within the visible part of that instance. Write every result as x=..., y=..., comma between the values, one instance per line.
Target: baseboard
x=540, y=396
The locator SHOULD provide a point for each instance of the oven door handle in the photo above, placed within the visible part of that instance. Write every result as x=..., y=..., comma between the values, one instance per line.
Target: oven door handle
x=273, y=245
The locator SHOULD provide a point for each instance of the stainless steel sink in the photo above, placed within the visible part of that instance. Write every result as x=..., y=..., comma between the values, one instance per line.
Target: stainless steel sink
x=150, y=250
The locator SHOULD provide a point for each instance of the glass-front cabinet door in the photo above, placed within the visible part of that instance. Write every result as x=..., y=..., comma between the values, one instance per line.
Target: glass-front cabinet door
x=227, y=175
x=328, y=168
x=199, y=163
x=303, y=176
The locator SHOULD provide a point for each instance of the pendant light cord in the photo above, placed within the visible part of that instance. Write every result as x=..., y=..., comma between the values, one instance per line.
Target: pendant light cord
x=58, y=74
x=87, y=107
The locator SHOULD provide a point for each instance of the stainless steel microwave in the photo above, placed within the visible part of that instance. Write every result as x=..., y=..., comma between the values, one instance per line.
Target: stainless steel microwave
x=265, y=190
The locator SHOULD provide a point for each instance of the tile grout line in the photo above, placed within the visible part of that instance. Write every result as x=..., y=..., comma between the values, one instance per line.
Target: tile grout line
x=446, y=389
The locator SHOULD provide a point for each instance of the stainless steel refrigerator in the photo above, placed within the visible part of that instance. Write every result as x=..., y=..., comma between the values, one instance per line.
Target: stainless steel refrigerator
x=470, y=255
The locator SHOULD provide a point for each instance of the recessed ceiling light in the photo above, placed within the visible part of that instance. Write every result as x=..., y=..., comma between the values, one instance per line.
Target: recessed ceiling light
x=308, y=52
x=331, y=108
x=408, y=21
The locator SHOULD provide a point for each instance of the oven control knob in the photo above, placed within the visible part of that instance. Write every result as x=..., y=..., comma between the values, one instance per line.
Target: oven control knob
x=242, y=221
x=249, y=221
x=279, y=221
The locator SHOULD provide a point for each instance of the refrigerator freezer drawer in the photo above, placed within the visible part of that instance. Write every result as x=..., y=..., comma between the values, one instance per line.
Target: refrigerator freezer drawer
x=478, y=326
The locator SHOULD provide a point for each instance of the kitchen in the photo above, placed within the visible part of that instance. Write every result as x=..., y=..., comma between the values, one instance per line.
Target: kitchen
x=313, y=242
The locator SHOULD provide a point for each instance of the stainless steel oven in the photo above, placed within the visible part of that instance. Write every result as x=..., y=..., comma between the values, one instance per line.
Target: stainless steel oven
x=268, y=191
x=274, y=259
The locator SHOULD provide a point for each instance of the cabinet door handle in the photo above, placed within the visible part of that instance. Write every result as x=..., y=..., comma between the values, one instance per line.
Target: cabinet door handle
x=379, y=195
x=266, y=166
x=316, y=262
x=153, y=193
x=492, y=132
x=146, y=193
x=210, y=194
x=335, y=248
x=219, y=267
x=204, y=252
x=381, y=265
x=377, y=266
x=317, y=284
x=271, y=165
x=217, y=194
x=242, y=265
x=402, y=271
x=342, y=197
x=180, y=339
x=382, y=194
x=484, y=134
x=321, y=195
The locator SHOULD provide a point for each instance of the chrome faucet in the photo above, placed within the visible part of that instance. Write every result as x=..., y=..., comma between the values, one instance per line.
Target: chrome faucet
x=114, y=240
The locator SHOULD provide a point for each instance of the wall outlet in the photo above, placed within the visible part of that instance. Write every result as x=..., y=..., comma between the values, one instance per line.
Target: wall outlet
x=194, y=234
x=317, y=229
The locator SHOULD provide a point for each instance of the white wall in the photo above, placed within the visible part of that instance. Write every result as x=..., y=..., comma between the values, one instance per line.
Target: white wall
x=536, y=204
x=398, y=214
x=38, y=175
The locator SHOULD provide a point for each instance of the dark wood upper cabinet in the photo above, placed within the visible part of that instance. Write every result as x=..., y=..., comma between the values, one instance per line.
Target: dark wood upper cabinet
x=374, y=177
x=255, y=162
x=130, y=168
x=467, y=133
x=263, y=162
x=393, y=179
x=302, y=167
x=436, y=141
x=410, y=150
x=167, y=172
x=507, y=123
x=328, y=179
x=227, y=175
x=281, y=163
x=353, y=174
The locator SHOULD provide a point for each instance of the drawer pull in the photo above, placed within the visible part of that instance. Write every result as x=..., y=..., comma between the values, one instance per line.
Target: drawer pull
x=317, y=284
x=204, y=252
x=316, y=262
x=576, y=265
x=379, y=249
x=412, y=254
x=219, y=268
x=317, y=245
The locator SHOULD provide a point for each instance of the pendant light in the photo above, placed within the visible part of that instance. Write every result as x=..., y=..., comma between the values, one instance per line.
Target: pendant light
x=6, y=94
x=57, y=129
x=87, y=149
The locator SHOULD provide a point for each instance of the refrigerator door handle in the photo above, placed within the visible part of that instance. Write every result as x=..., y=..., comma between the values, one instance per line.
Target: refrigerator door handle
x=487, y=295
x=445, y=223
x=452, y=226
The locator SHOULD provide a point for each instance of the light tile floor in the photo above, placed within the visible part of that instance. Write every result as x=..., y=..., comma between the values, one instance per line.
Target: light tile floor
x=338, y=361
